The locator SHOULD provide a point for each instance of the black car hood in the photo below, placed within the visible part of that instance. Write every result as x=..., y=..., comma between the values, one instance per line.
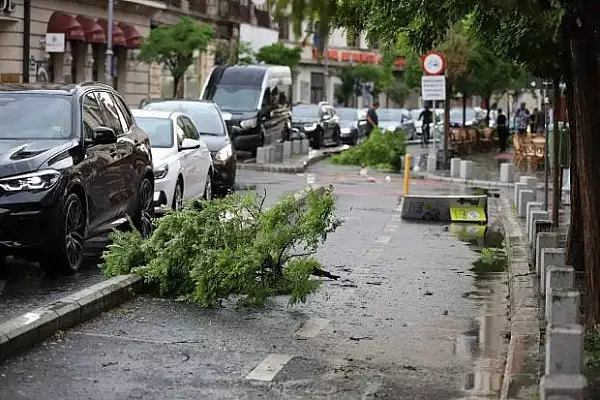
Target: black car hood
x=297, y=120
x=215, y=143
x=238, y=115
x=348, y=124
x=22, y=156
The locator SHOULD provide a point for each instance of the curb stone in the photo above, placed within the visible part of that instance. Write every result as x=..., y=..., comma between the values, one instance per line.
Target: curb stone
x=25, y=331
x=470, y=182
x=297, y=168
x=521, y=375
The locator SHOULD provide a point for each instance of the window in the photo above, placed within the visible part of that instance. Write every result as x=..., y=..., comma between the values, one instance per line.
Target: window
x=190, y=130
x=111, y=116
x=180, y=132
x=284, y=28
x=53, y=117
x=266, y=102
x=124, y=125
x=317, y=86
x=92, y=114
x=124, y=110
x=159, y=131
x=185, y=129
x=352, y=39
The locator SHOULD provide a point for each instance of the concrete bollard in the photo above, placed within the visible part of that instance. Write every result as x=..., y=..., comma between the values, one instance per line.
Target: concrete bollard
x=531, y=207
x=262, y=155
x=548, y=257
x=559, y=387
x=562, y=306
x=287, y=149
x=455, y=167
x=278, y=152
x=560, y=277
x=271, y=154
x=540, y=225
x=431, y=164
x=507, y=172
x=525, y=196
x=543, y=240
x=518, y=187
x=304, y=146
x=564, y=349
x=295, y=147
x=531, y=183
x=466, y=169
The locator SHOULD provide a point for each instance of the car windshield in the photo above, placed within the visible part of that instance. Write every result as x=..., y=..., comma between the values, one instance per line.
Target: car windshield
x=389, y=114
x=236, y=98
x=206, y=117
x=159, y=130
x=456, y=114
x=347, y=114
x=305, y=112
x=35, y=116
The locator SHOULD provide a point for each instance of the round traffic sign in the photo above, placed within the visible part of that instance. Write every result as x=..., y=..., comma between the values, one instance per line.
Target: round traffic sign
x=433, y=63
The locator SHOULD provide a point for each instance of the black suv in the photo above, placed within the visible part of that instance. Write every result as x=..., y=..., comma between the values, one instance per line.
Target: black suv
x=73, y=164
x=320, y=123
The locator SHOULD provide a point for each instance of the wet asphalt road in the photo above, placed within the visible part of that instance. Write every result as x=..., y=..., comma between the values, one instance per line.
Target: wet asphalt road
x=407, y=320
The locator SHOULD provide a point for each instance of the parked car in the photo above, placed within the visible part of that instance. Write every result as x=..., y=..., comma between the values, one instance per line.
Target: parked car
x=320, y=124
x=73, y=164
x=473, y=118
x=394, y=118
x=182, y=162
x=353, y=124
x=255, y=101
x=209, y=121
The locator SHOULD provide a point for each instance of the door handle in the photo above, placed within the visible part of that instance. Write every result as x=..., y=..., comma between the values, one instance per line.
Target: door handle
x=114, y=153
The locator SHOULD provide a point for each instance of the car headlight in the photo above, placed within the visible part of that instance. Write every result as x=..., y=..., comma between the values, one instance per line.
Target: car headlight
x=310, y=127
x=224, y=153
x=161, y=171
x=362, y=123
x=248, y=123
x=345, y=130
x=390, y=128
x=39, y=180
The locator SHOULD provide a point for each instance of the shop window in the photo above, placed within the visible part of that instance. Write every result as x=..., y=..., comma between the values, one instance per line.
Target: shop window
x=317, y=86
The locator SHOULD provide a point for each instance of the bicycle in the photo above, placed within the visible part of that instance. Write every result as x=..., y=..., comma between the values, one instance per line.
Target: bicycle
x=425, y=136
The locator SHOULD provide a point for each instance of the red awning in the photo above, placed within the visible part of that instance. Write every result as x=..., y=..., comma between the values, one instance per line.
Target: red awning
x=93, y=31
x=132, y=36
x=60, y=22
x=118, y=34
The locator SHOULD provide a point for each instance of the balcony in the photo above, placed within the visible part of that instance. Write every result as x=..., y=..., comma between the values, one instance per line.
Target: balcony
x=238, y=12
x=173, y=3
x=263, y=19
x=198, y=6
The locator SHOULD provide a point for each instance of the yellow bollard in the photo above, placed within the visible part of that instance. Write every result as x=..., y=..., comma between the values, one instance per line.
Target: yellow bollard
x=407, y=164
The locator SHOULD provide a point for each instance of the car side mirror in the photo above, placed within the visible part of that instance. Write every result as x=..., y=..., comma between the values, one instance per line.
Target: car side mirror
x=102, y=135
x=326, y=117
x=190, y=144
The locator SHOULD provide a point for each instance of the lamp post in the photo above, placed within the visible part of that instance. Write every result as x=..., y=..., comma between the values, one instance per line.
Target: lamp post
x=545, y=86
x=109, y=44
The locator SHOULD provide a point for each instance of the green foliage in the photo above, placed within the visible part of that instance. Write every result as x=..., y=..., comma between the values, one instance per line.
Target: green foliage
x=229, y=247
x=280, y=54
x=176, y=46
x=413, y=71
x=490, y=260
x=224, y=55
x=592, y=348
x=381, y=149
x=362, y=73
x=245, y=54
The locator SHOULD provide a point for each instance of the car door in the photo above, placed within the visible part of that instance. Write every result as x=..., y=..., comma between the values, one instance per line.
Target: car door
x=327, y=121
x=101, y=166
x=189, y=169
x=123, y=193
x=200, y=158
x=267, y=117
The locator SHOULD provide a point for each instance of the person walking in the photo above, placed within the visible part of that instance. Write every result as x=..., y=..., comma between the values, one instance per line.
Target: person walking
x=502, y=130
x=427, y=117
x=372, y=118
x=540, y=122
x=533, y=120
x=521, y=121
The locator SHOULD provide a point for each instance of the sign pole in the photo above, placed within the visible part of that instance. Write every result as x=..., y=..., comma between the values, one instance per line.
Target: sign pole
x=433, y=88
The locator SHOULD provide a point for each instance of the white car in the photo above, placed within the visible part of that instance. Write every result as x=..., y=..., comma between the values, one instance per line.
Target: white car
x=182, y=162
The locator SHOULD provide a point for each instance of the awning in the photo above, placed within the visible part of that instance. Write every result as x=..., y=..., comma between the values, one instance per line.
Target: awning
x=60, y=22
x=93, y=31
x=118, y=34
x=132, y=36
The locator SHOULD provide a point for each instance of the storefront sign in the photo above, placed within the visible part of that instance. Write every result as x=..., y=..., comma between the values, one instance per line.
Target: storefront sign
x=354, y=56
x=55, y=42
x=7, y=6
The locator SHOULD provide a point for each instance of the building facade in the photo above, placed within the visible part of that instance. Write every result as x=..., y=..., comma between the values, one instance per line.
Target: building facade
x=64, y=41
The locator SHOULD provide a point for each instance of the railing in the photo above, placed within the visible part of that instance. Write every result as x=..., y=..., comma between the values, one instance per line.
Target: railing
x=238, y=12
x=173, y=3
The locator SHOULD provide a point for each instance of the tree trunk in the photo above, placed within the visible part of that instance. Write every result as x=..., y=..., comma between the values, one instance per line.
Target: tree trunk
x=586, y=82
x=464, y=109
x=176, y=90
x=556, y=171
x=487, y=113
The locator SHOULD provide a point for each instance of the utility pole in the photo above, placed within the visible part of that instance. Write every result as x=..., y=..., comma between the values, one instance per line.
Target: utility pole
x=109, y=44
x=326, y=68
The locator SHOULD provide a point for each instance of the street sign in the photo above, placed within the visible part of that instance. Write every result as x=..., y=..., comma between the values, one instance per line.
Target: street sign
x=55, y=42
x=433, y=63
x=433, y=87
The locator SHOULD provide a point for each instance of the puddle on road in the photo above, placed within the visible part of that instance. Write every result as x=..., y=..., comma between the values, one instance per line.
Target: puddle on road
x=485, y=343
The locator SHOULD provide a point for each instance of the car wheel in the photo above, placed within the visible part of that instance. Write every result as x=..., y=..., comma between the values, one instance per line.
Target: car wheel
x=64, y=252
x=338, y=138
x=318, y=141
x=145, y=208
x=208, y=192
x=261, y=141
x=178, y=196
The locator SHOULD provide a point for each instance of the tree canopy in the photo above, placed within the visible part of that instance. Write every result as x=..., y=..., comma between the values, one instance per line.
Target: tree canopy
x=176, y=47
x=280, y=54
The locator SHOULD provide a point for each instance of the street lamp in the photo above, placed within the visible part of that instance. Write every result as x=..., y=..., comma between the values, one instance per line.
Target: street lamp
x=545, y=86
x=109, y=44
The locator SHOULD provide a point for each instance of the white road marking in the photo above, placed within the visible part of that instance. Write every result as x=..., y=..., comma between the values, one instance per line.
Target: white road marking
x=269, y=367
x=398, y=208
x=390, y=228
x=373, y=252
x=396, y=217
x=311, y=328
x=311, y=178
x=2, y=285
x=382, y=239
